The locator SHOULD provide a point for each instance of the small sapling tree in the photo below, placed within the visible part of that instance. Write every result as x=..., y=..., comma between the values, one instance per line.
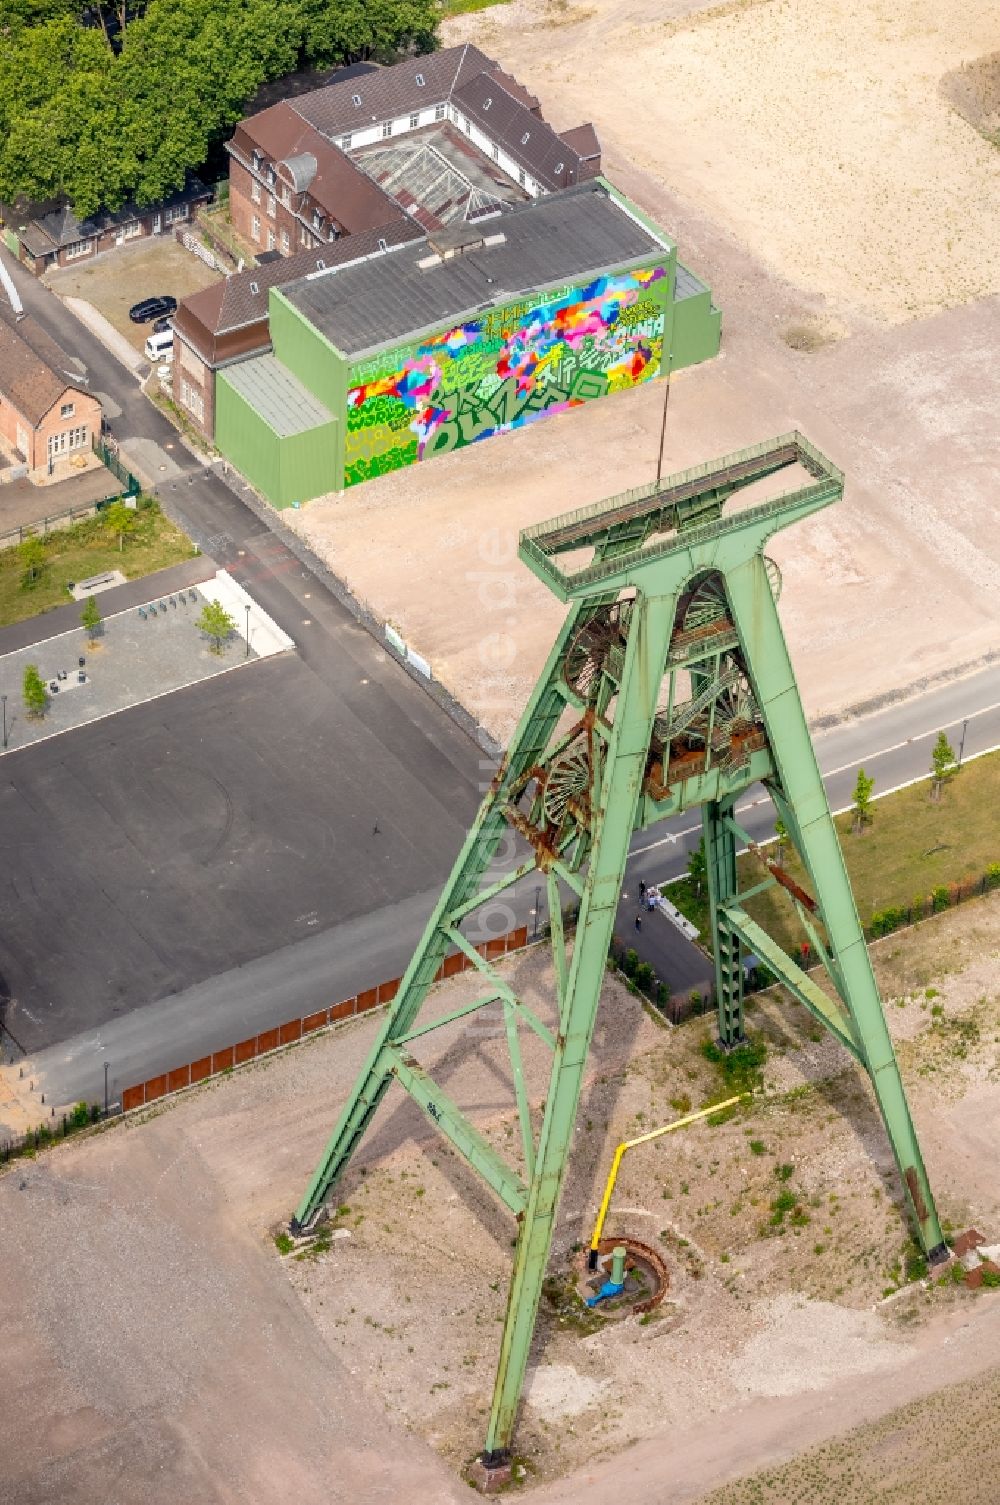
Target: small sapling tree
x=216, y=623
x=943, y=764
x=36, y=696
x=31, y=552
x=120, y=520
x=698, y=868
x=780, y=836
x=90, y=618
x=862, y=810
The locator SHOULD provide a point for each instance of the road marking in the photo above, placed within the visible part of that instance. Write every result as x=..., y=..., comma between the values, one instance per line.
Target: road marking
x=920, y=737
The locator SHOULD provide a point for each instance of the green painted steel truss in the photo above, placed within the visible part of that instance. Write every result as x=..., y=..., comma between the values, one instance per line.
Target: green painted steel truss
x=669, y=687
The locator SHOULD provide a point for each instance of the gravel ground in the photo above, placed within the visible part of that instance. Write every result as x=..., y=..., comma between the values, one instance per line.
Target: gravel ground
x=155, y=1347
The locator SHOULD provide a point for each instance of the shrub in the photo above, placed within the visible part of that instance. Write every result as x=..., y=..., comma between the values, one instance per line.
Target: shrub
x=80, y=1116
x=940, y=898
x=991, y=877
x=630, y=963
x=644, y=976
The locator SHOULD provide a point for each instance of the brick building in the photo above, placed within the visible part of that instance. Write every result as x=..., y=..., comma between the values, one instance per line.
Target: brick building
x=45, y=416
x=56, y=237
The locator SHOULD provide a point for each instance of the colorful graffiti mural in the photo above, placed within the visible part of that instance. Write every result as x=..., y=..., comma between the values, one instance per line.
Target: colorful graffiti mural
x=509, y=367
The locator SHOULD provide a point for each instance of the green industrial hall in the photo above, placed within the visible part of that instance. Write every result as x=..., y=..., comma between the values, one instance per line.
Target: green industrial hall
x=457, y=336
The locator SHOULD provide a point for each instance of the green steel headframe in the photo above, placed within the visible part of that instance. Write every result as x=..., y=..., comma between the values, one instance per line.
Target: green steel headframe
x=668, y=687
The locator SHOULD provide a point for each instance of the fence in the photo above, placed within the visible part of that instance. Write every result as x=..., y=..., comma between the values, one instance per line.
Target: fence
x=296, y=1029
x=109, y=458
x=946, y=896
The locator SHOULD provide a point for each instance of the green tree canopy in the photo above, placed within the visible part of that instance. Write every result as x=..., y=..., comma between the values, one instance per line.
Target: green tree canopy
x=216, y=623
x=120, y=520
x=942, y=764
x=128, y=104
x=31, y=552
x=90, y=617
x=36, y=696
x=863, y=790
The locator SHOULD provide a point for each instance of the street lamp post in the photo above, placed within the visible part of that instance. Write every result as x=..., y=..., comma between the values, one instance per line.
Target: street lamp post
x=4, y=699
x=961, y=745
x=538, y=900
x=247, y=653
x=106, y=1067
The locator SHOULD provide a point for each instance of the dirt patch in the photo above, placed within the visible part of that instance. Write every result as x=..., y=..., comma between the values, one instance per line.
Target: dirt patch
x=974, y=91
x=167, y=1350
x=115, y=280
x=807, y=129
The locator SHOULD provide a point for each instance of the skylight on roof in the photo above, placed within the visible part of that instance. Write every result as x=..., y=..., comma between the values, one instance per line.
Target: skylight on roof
x=355, y=99
x=524, y=138
x=560, y=166
x=487, y=103
x=254, y=288
x=420, y=80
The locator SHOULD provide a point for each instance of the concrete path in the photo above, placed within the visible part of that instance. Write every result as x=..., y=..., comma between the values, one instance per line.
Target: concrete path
x=108, y=335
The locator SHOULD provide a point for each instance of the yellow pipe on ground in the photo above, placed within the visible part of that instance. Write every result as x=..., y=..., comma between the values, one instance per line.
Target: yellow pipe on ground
x=630, y=1144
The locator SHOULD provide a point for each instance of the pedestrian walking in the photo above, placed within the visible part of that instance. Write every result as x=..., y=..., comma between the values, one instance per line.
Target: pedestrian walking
x=638, y=922
x=642, y=888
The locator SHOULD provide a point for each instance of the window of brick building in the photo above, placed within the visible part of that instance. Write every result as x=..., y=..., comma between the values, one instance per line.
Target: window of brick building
x=79, y=248
x=285, y=245
x=345, y=143
x=67, y=410
x=440, y=111
x=414, y=121
x=255, y=227
x=192, y=399
x=271, y=238
x=255, y=190
x=272, y=205
x=387, y=128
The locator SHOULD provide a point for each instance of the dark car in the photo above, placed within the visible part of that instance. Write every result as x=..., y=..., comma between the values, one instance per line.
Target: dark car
x=161, y=326
x=152, y=308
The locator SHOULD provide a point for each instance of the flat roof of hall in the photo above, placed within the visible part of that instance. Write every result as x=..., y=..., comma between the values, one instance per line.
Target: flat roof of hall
x=579, y=232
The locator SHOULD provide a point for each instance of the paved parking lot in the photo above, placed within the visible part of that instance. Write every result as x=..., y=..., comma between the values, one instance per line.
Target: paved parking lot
x=181, y=838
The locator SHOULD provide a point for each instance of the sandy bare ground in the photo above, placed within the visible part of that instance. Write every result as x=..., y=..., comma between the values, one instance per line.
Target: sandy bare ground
x=816, y=131
x=793, y=168
x=154, y=1347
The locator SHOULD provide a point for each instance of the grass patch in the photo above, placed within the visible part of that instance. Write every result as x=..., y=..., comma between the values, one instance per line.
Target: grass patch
x=448, y=8
x=88, y=549
x=913, y=847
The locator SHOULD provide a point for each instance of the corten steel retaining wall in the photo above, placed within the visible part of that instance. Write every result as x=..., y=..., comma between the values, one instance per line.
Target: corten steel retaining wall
x=296, y=1029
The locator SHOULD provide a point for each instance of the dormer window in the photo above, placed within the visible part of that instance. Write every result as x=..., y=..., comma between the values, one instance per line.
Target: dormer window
x=271, y=175
x=382, y=245
x=345, y=143
x=559, y=167
x=487, y=103
x=355, y=100
x=420, y=80
x=524, y=138
x=317, y=219
x=320, y=264
x=258, y=158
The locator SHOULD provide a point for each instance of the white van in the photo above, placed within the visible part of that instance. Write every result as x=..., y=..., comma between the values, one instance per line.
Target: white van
x=160, y=347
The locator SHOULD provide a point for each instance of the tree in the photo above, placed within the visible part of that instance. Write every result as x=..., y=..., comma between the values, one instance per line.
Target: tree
x=90, y=617
x=31, y=552
x=697, y=867
x=780, y=835
x=943, y=764
x=82, y=112
x=862, y=802
x=36, y=697
x=216, y=623
x=119, y=519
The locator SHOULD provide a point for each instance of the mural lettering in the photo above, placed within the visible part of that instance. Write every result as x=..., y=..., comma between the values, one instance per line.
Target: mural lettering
x=508, y=367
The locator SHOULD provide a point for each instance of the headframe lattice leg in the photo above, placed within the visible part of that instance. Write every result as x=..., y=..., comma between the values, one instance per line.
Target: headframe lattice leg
x=668, y=688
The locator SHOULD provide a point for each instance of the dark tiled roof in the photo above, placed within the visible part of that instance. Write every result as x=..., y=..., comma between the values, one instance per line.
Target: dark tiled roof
x=60, y=227
x=532, y=143
x=337, y=185
x=583, y=140
x=242, y=299
x=391, y=91
x=31, y=378
x=547, y=241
